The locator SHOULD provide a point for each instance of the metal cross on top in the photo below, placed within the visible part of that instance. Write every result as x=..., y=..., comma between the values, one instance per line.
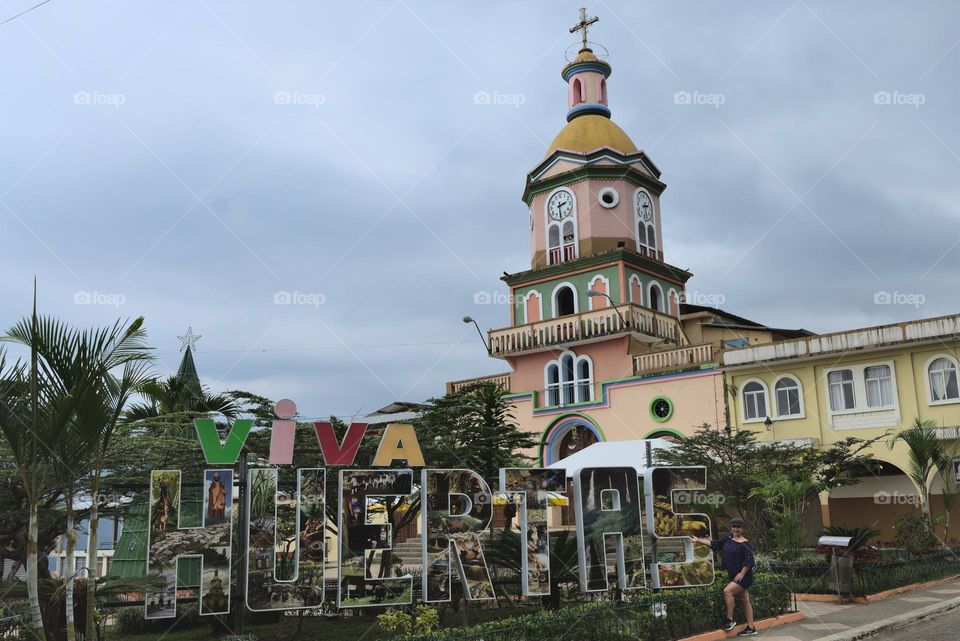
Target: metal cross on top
x=584, y=23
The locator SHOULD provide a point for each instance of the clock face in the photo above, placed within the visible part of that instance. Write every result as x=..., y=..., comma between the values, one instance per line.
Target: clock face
x=644, y=206
x=560, y=205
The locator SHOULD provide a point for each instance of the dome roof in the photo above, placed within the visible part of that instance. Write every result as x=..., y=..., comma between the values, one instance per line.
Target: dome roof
x=588, y=132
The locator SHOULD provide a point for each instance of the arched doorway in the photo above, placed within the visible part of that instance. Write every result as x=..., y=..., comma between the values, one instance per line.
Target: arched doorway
x=568, y=435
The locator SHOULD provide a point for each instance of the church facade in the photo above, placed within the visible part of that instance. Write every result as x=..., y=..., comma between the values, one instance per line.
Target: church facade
x=602, y=347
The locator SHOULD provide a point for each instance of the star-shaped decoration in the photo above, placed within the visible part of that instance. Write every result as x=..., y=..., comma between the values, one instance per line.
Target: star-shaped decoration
x=188, y=340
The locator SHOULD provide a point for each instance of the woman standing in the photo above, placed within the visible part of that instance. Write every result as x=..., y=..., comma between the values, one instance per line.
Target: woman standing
x=736, y=557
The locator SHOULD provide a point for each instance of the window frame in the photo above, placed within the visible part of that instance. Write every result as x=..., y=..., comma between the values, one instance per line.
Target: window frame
x=776, y=400
x=550, y=223
x=743, y=401
x=860, y=389
x=866, y=387
x=574, y=386
x=926, y=376
x=553, y=300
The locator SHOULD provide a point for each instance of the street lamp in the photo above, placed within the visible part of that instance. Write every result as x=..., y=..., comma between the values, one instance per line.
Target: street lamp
x=468, y=320
x=592, y=293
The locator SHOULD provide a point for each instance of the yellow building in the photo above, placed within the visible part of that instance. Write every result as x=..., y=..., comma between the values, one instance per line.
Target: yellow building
x=817, y=390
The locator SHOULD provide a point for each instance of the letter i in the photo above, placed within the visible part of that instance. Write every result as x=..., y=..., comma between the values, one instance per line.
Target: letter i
x=283, y=433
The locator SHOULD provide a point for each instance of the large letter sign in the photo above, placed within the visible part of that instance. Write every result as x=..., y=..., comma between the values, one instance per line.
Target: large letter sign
x=168, y=541
x=289, y=524
x=609, y=527
x=368, y=574
x=664, y=487
x=286, y=536
x=456, y=507
x=532, y=489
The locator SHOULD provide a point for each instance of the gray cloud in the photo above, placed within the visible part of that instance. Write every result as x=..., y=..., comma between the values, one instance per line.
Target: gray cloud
x=301, y=124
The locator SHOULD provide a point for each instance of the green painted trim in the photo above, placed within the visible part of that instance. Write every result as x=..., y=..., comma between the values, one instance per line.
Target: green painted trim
x=661, y=430
x=563, y=417
x=673, y=274
x=586, y=171
x=659, y=419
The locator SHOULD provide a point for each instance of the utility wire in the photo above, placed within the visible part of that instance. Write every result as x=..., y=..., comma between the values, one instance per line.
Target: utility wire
x=24, y=12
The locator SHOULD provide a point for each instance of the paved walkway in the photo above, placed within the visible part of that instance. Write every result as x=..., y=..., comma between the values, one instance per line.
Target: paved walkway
x=826, y=619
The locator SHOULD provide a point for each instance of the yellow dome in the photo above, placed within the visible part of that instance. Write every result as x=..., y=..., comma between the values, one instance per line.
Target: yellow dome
x=588, y=132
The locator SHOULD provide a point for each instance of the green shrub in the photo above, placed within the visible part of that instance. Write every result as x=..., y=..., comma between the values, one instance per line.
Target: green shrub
x=915, y=534
x=239, y=637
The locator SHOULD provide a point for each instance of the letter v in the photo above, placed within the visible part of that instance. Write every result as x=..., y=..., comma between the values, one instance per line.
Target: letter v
x=227, y=452
x=335, y=453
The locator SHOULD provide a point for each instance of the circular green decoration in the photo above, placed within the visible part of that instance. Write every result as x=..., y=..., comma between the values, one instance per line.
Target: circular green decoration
x=661, y=409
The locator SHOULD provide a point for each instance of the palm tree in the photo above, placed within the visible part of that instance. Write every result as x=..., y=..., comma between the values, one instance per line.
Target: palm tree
x=178, y=395
x=82, y=401
x=925, y=455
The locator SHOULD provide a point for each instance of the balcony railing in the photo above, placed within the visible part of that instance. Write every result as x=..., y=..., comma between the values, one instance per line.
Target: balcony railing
x=503, y=380
x=673, y=358
x=609, y=321
x=563, y=254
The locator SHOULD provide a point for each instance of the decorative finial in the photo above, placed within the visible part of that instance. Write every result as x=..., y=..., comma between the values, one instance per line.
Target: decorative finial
x=189, y=340
x=584, y=23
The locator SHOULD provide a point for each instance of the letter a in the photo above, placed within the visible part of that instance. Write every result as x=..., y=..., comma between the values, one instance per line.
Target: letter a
x=399, y=441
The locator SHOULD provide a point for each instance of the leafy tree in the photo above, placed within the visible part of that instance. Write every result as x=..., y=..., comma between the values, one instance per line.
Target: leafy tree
x=58, y=397
x=473, y=428
x=737, y=463
x=925, y=455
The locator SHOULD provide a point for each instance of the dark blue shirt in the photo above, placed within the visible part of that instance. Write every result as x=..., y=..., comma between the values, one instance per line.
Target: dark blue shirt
x=734, y=556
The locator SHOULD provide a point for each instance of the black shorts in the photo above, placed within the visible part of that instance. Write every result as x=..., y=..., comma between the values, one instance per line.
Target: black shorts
x=745, y=583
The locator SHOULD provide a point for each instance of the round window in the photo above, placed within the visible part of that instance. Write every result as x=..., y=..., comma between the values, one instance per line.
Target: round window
x=661, y=409
x=608, y=197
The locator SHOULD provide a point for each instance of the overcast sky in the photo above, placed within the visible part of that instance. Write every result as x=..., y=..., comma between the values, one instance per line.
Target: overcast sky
x=191, y=161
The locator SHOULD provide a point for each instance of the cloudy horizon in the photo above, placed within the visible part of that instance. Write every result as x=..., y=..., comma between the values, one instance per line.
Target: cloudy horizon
x=323, y=191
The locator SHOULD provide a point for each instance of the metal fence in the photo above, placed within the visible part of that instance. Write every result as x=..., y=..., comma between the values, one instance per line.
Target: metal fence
x=663, y=616
x=871, y=578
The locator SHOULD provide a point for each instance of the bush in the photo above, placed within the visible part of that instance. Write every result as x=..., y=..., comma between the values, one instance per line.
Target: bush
x=130, y=620
x=240, y=637
x=688, y=611
x=915, y=535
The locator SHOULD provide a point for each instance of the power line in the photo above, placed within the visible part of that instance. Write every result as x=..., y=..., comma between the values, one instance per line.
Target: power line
x=315, y=347
x=24, y=12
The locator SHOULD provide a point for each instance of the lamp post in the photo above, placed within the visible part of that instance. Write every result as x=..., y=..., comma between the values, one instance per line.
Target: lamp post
x=592, y=293
x=468, y=320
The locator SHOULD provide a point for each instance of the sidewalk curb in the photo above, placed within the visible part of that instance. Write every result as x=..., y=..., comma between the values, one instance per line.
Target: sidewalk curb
x=760, y=624
x=876, y=596
x=894, y=622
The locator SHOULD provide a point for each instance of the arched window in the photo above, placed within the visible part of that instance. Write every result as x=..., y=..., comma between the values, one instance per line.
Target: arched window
x=569, y=379
x=942, y=380
x=789, y=397
x=553, y=384
x=879, y=386
x=532, y=307
x=603, y=91
x=674, y=302
x=577, y=91
x=644, y=222
x=584, y=380
x=599, y=284
x=564, y=300
x=754, y=401
x=840, y=385
x=636, y=290
x=561, y=226
x=567, y=389
x=656, y=297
